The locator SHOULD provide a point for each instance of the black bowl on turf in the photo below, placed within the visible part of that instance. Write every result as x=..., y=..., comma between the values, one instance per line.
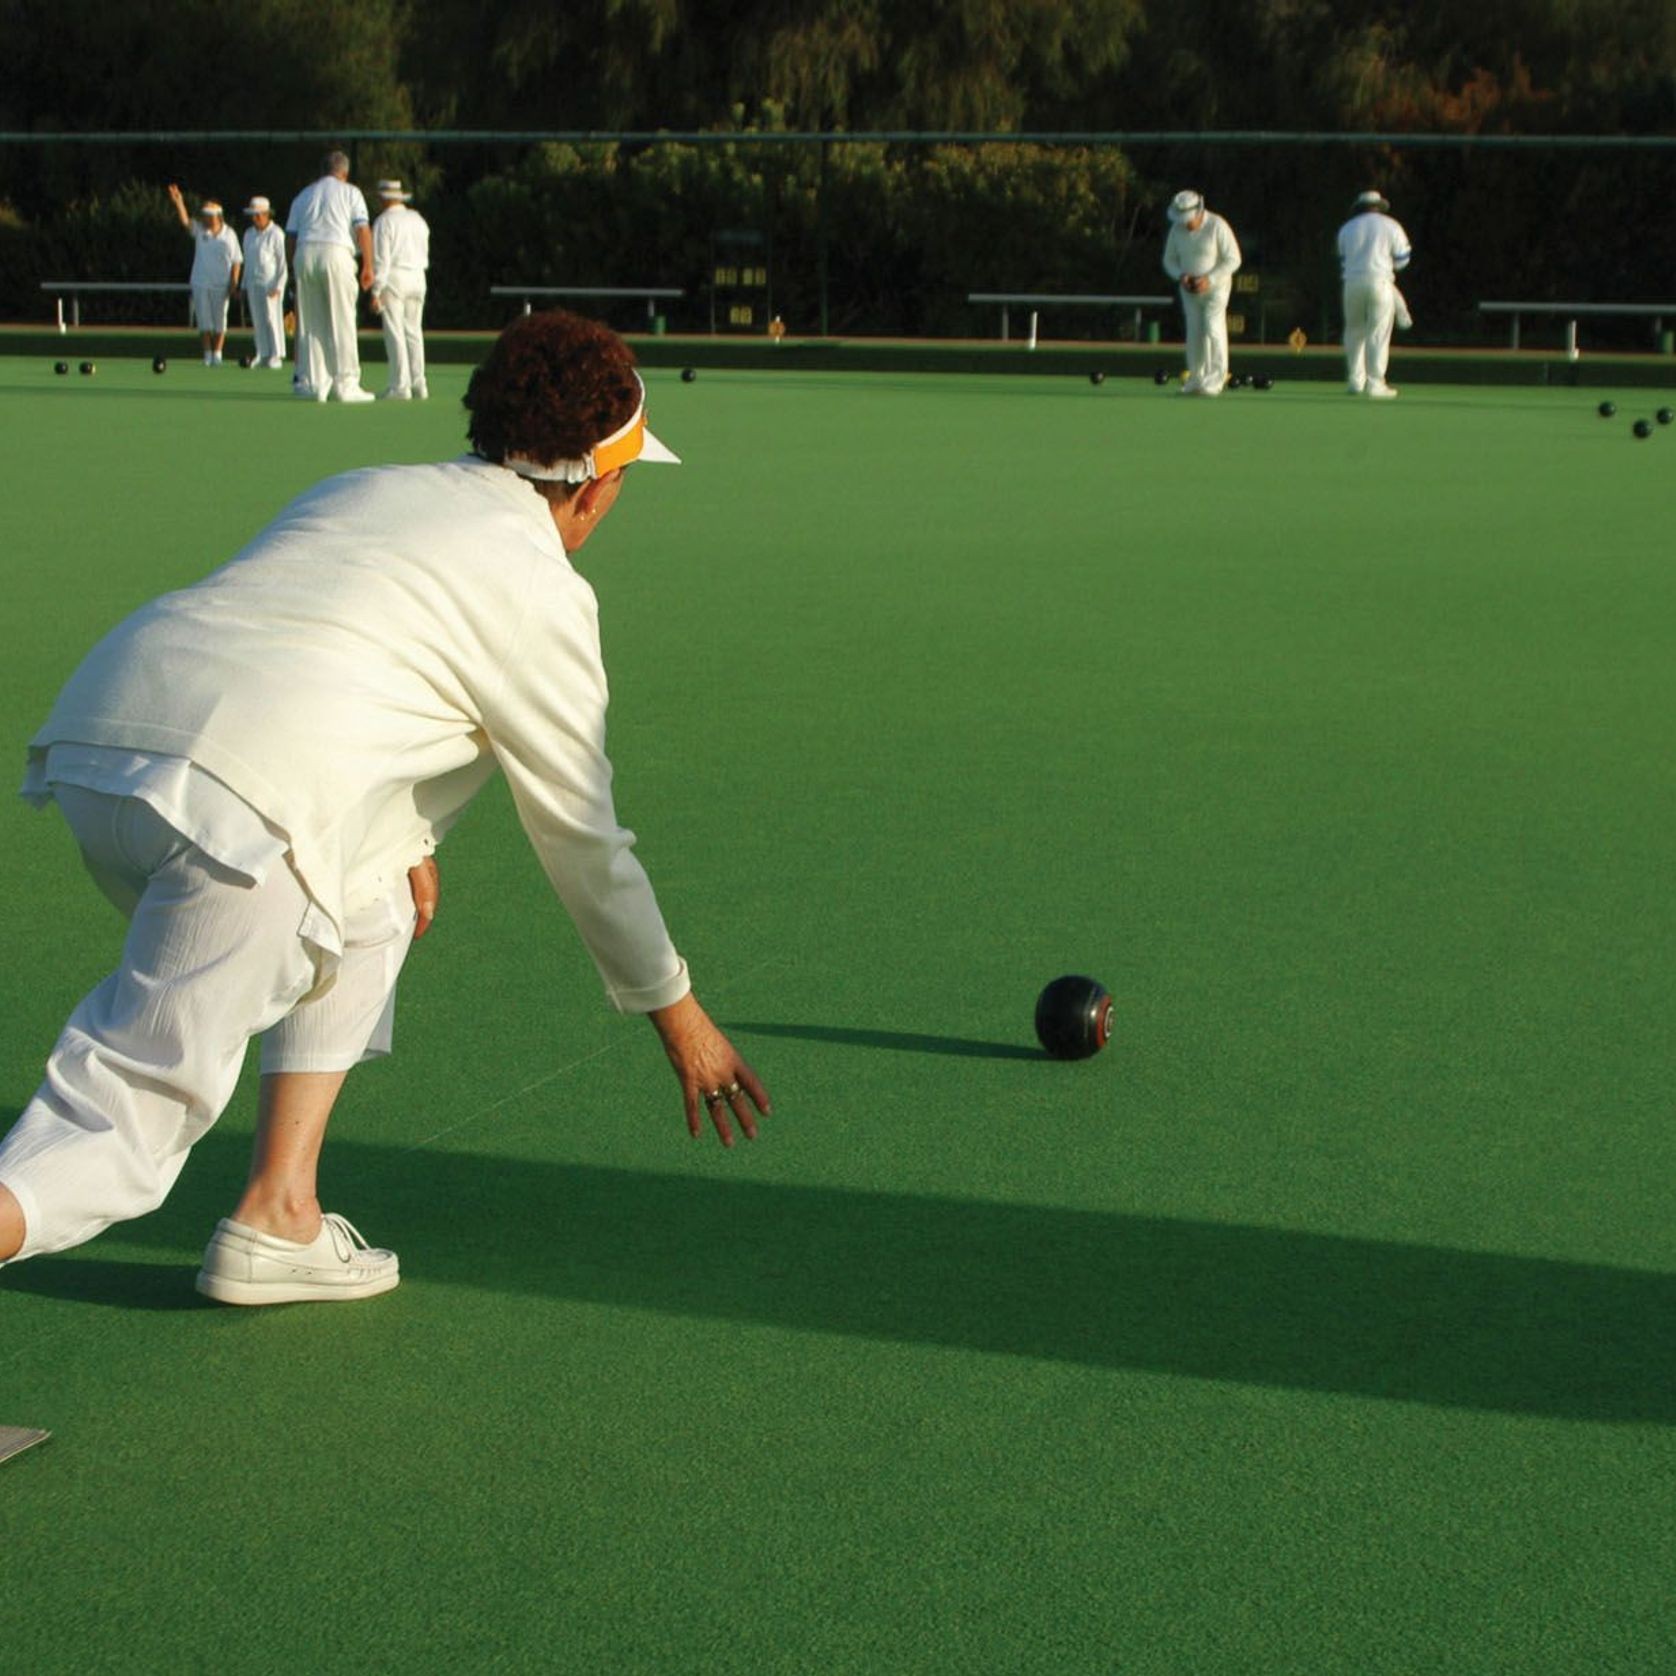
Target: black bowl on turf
x=61, y=366
x=1073, y=1017
x=88, y=368
x=1262, y=381
x=1643, y=428
x=688, y=375
x=1665, y=415
x=1096, y=378
x=159, y=364
x=1160, y=377
x=245, y=361
x=1607, y=409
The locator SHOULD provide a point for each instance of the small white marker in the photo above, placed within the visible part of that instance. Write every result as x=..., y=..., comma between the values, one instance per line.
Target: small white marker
x=15, y=1439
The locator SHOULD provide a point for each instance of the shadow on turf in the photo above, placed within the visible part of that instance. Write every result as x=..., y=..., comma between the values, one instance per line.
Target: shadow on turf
x=1246, y=1305
x=900, y=1041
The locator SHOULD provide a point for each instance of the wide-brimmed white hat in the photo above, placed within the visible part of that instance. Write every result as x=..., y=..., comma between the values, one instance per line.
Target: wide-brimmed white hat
x=258, y=206
x=629, y=442
x=1372, y=200
x=1186, y=204
x=392, y=189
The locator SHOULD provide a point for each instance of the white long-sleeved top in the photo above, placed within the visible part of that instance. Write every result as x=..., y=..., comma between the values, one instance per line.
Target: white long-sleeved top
x=1210, y=251
x=328, y=212
x=264, y=258
x=1373, y=246
x=356, y=674
x=401, y=240
x=214, y=255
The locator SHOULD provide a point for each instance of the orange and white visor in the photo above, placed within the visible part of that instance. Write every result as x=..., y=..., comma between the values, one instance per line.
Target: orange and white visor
x=629, y=442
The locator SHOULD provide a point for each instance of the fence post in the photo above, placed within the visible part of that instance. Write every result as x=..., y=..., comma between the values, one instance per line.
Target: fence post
x=821, y=238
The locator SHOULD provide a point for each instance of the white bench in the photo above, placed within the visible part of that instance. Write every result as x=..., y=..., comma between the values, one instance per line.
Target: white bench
x=73, y=289
x=1040, y=300
x=652, y=293
x=1573, y=312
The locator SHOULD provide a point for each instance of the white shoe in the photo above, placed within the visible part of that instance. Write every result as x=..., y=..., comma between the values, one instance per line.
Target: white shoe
x=1382, y=392
x=274, y=361
x=215, y=360
x=209, y=359
x=420, y=393
x=242, y=1265
x=1193, y=386
x=353, y=393
x=395, y=396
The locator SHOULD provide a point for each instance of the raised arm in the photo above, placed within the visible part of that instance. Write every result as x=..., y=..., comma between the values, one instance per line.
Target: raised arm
x=179, y=202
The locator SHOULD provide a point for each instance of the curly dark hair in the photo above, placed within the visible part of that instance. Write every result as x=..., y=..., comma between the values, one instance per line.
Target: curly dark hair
x=554, y=384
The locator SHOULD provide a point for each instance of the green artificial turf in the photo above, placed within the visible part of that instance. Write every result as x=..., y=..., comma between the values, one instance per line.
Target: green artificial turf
x=1322, y=1324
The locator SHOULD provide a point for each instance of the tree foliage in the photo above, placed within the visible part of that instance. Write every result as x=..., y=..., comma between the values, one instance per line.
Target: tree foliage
x=890, y=227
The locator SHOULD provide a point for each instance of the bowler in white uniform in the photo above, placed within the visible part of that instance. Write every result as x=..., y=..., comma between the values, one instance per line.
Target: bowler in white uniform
x=256, y=769
x=1372, y=249
x=1202, y=256
x=264, y=282
x=216, y=262
x=328, y=227
x=401, y=253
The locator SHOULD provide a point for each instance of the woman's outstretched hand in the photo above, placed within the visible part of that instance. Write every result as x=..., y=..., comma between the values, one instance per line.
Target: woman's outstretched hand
x=712, y=1075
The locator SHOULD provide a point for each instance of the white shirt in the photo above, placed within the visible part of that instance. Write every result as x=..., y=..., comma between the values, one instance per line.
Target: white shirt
x=357, y=674
x=264, y=258
x=215, y=255
x=1372, y=246
x=1210, y=250
x=328, y=212
x=401, y=239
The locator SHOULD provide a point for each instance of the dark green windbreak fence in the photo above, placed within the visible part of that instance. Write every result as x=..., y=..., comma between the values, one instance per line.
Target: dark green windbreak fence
x=885, y=234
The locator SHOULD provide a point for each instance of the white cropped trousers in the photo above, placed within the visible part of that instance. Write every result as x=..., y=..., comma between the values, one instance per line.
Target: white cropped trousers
x=149, y=1059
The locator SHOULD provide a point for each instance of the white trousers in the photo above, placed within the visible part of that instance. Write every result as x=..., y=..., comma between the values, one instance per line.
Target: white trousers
x=326, y=287
x=149, y=1059
x=1370, y=310
x=209, y=308
x=1206, y=315
x=402, y=317
x=267, y=321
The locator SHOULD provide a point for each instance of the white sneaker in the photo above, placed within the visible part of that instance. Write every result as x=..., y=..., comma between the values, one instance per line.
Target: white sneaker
x=209, y=359
x=274, y=361
x=353, y=393
x=420, y=393
x=1382, y=392
x=215, y=359
x=242, y=1265
x=395, y=396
